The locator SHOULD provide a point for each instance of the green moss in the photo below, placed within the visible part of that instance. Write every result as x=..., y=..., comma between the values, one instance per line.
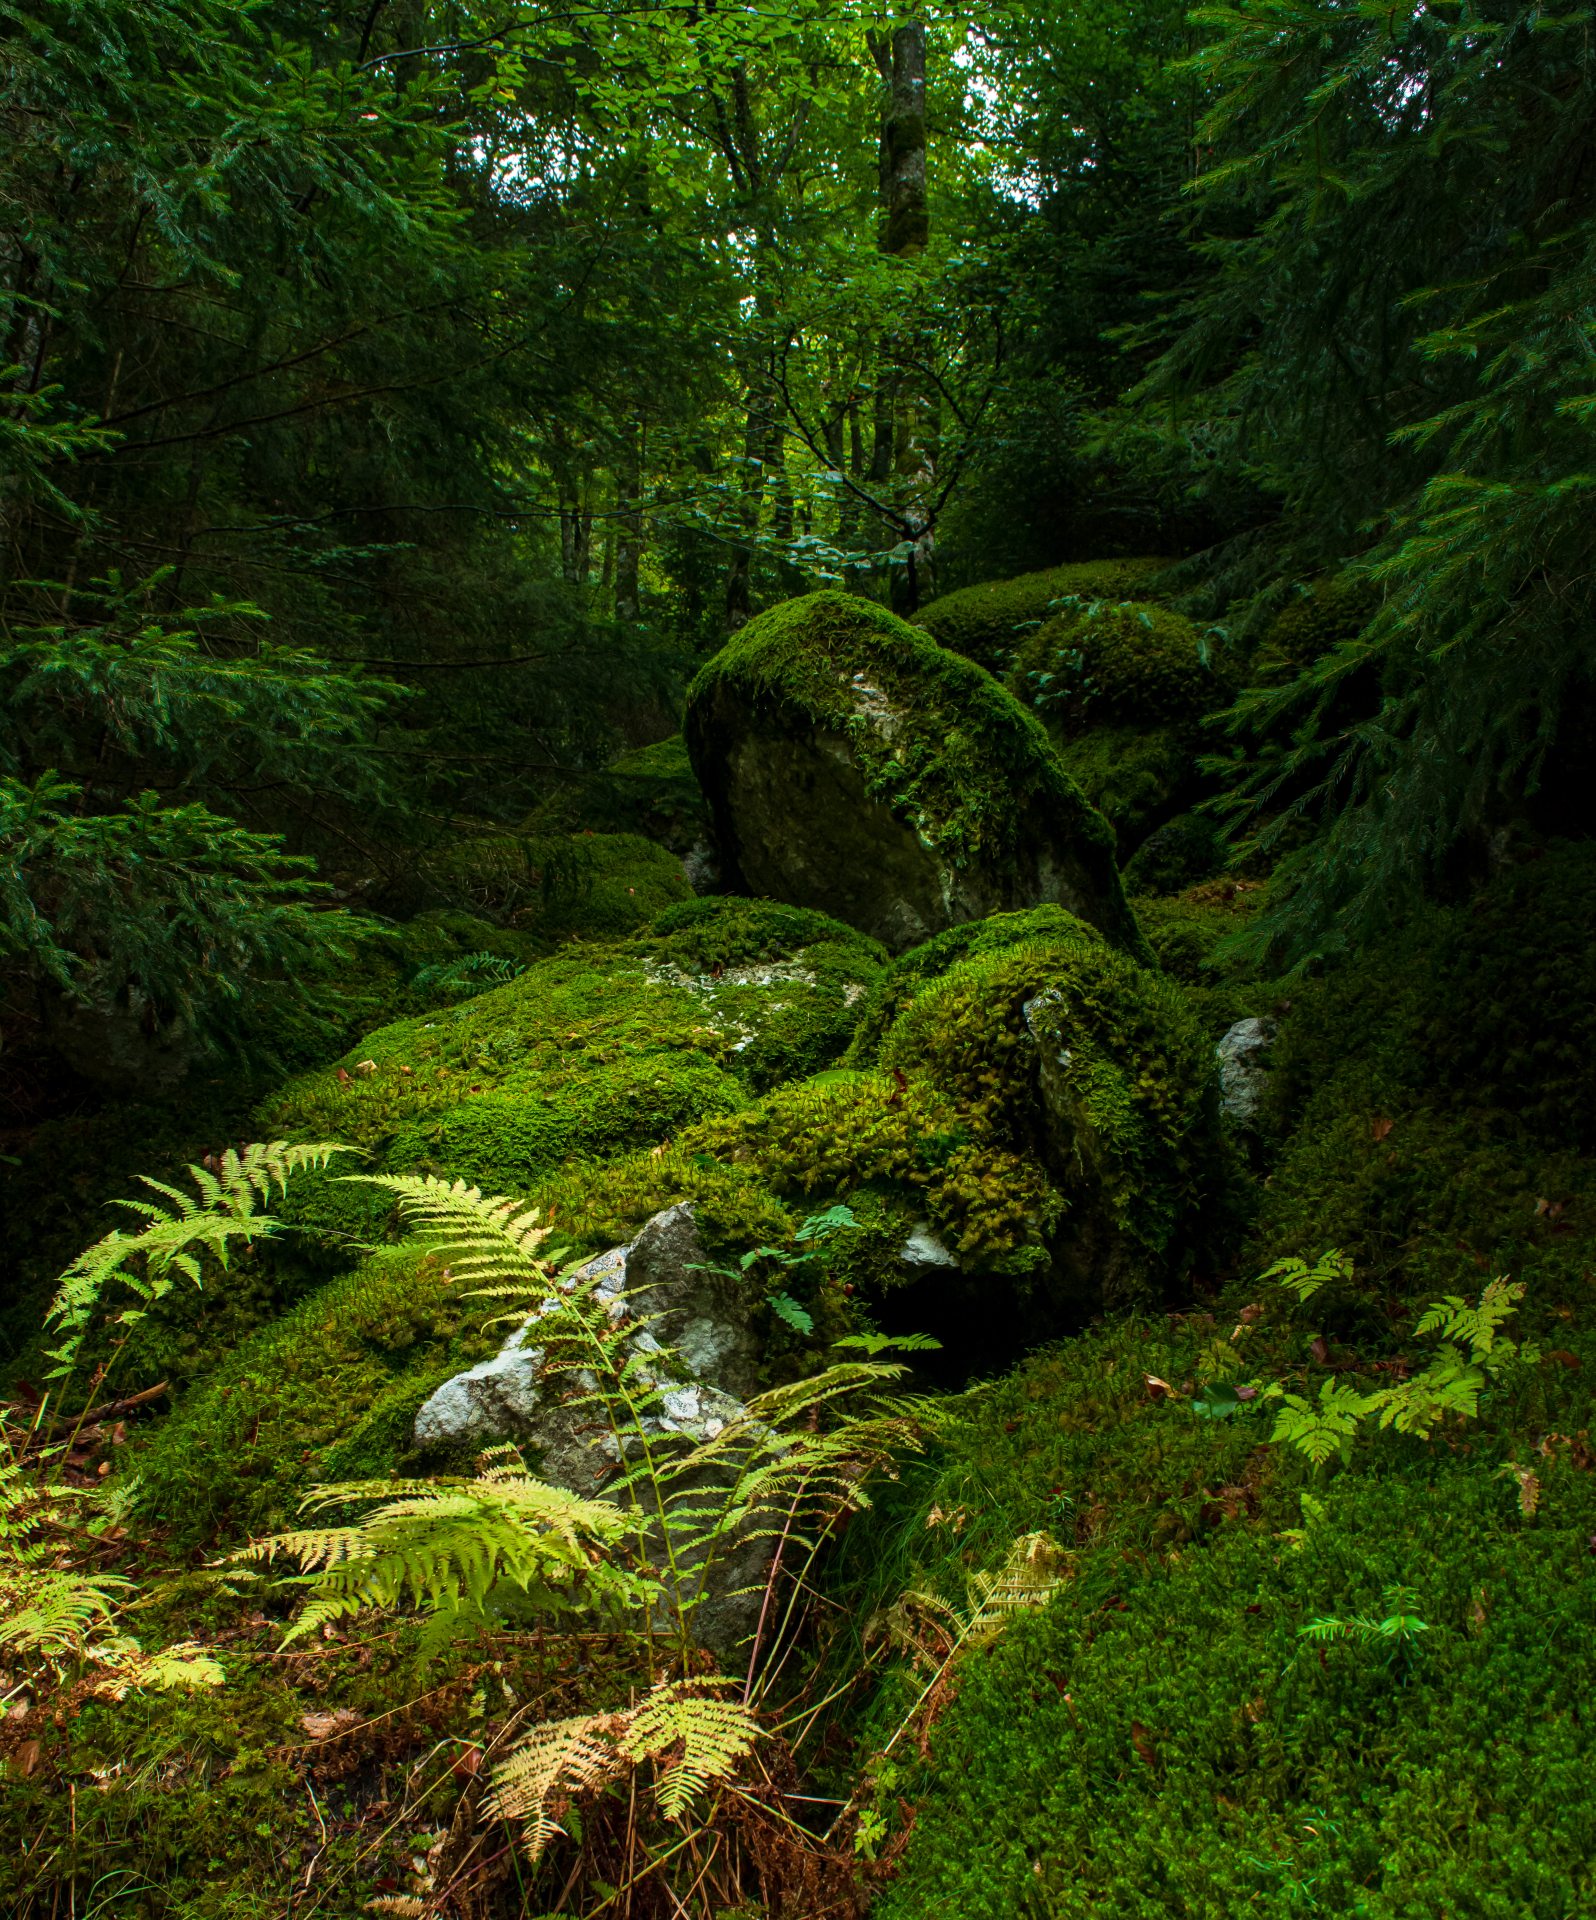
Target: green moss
x=1130, y=1069
x=985, y=623
x=554, y=888
x=911, y=972
x=650, y=791
x=327, y=1392
x=504, y=1139
x=937, y=741
x=590, y=1053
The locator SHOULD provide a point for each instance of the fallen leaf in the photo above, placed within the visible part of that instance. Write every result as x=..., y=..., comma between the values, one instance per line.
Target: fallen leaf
x=344, y=1079
x=26, y=1757
x=1157, y=1389
x=1142, y=1741
x=366, y=1066
x=1318, y=1348
x=1379, y=1128
x=327, y=1726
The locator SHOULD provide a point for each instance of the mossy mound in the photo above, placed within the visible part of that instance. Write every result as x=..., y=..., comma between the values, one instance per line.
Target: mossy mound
x=327, y=1392
x=558, y=887
x=1041, y=1101
x=985, y=623
x=650, y=791
x=1129, y=664
x=588, y=1053
x=1122, y=688
x=1162, y=1738
x=907, y=976
x=1074, y=1055
x=852, y=765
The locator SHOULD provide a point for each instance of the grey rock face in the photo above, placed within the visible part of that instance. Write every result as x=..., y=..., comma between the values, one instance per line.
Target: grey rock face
x=923, y=1252
x=1244, y=1069
x=704, y=1318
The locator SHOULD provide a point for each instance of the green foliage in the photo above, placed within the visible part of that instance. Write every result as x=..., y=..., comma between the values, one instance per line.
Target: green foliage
x=170, y=912
x=1385, y=344
x=458, y=1549
x=1397, y=1632
x=1449, y=1386
x=986, y=623
x=175, y=1238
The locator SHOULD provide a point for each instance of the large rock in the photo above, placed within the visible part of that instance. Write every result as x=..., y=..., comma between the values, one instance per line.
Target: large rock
x=851, y=764
x=1244, y=1069
x=694, y=1345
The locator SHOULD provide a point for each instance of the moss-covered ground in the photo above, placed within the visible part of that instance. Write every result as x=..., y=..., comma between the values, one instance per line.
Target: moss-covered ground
x=1257, y=1684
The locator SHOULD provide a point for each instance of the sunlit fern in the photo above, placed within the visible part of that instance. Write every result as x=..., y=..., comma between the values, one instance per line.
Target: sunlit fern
x=788, y=1464
x=174, y=1237
x=57, y=1613
x=453, y=1547
x=689, y=1729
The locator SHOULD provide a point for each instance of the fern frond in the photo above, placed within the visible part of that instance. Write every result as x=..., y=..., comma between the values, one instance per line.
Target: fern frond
x=697, y=1737
x=694, y=1735
x=445, y=1546
x=1033, y=1570
x=175, y=1235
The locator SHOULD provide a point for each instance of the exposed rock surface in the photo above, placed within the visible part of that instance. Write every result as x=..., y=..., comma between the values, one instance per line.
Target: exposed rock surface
x=850, y=764
x=1244, y=1069
x=702, y=1317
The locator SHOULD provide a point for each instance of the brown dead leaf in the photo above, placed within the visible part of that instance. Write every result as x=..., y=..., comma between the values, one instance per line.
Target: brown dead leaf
x=1379, y=1127
x=26, y=1757
x=327, y=1726
x=1142, y=1741
x=1158, y=1389
x=1318, y=1348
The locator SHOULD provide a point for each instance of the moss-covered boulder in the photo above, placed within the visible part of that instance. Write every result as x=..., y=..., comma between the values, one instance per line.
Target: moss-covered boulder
x=852, y=765
x=587, y=1054
x=1122, y=688
x=1038, y=1101
x=987, y=622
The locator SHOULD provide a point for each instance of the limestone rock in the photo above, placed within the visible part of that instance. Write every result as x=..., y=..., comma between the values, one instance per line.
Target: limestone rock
x=851, y=764
x=1244, y=1069
x=703, y=1317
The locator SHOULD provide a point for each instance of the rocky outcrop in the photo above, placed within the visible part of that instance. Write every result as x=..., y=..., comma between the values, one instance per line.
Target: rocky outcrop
x=1244, y=1069
x=696, y=1356
x=852, y=765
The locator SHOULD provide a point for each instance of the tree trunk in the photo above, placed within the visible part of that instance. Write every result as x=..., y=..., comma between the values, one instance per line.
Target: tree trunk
x=904, y=445
x=629, y=524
